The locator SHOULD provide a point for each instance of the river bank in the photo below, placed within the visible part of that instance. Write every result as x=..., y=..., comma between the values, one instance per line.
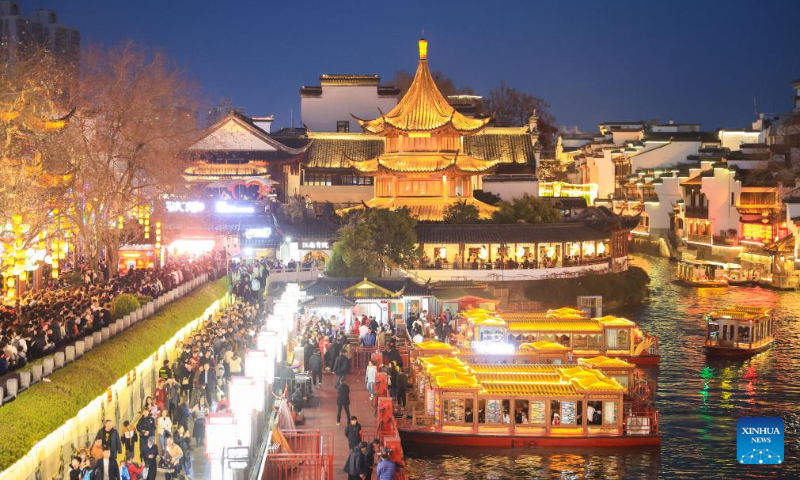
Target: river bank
x=622, y=290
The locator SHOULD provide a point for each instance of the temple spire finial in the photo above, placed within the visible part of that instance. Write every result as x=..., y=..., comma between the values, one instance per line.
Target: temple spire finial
x=423, y=48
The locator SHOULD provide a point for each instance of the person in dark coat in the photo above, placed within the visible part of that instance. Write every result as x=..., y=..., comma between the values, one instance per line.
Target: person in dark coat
x=110, y=437
x=353, y=432
x=107, y=468
x=402, y=385
x=342, y=402
x=149, y=454
x=356, y=466
x=315, y=367
x=146, y=426
x=207, y=379
x=340, y=368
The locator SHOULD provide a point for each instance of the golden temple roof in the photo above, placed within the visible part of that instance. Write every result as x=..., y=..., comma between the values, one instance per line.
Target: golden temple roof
x=542, y=345
x=423, y=163
x=531, y=389
x=566, y=312
x=423, y=108
x=612, y=321
x=601, y=361
x=434, y=345
x=441, y=360
x=556, y=326
x=426, y=209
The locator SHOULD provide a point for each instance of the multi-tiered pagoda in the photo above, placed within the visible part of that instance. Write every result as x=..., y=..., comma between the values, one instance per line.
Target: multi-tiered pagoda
x=424, y=166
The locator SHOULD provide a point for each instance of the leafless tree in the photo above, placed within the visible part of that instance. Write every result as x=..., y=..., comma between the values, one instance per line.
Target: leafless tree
x=135, y=111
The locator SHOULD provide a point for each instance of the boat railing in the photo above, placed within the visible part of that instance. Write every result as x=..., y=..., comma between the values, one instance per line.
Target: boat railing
x=743, y=345
x=641, y=422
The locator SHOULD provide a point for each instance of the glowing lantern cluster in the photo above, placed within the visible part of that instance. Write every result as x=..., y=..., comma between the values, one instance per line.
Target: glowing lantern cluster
x=158, y=236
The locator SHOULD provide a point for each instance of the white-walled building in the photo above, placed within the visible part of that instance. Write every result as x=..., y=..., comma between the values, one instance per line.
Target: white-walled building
x=331, y=106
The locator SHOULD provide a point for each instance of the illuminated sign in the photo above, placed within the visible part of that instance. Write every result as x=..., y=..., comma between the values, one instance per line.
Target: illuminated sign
x=314, y=245
x=226, y=207
x=264, y=232
x=177, y=206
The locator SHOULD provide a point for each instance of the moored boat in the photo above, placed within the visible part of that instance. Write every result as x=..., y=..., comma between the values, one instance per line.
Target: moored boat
x=534, y=405
x=700, y=274
x=739, y=331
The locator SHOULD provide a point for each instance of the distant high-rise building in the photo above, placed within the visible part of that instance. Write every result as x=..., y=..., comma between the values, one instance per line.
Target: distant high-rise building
x=221, y=110
x=20, y=35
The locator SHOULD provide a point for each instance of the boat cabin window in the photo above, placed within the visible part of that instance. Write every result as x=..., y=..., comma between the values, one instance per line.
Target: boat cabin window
x=537, y=413
x=566, y=413
x=594, y=413
x=494, y=411
x=609, y=413
x=521, y=411
x=457, y=410
x=618, y=338
x=586, y=341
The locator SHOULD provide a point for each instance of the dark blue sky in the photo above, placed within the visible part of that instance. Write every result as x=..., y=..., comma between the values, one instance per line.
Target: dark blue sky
x=691, y=61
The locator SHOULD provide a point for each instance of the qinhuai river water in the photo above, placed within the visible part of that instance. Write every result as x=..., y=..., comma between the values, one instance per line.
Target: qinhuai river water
x=699, y=400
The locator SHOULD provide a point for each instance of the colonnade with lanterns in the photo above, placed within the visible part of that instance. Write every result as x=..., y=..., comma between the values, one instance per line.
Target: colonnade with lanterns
x=514, y=255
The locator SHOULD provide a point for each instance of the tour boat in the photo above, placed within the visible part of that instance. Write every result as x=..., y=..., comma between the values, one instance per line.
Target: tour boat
x=737, y=277
x=700, y=274
x=592, y=403
x=555, y=336
x=739, y=331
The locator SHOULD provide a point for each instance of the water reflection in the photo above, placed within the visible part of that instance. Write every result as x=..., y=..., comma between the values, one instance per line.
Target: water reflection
x=699, y=399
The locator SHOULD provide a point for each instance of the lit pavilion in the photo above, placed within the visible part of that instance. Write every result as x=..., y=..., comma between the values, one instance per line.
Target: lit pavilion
x=424, y=166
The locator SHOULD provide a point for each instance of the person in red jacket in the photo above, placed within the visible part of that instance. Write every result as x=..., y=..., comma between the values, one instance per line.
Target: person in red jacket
x=160, y=395
x=134, y=470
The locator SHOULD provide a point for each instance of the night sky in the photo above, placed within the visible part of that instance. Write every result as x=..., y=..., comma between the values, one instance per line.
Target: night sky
x=694, y=62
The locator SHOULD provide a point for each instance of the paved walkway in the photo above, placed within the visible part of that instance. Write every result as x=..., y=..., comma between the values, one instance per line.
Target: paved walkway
x=320, y=413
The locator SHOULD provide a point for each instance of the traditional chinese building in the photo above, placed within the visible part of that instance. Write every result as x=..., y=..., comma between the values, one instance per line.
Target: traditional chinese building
x=426, y=164
x=238, y=159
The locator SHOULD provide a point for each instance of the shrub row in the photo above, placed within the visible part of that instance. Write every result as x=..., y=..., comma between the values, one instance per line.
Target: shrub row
x=44, y=407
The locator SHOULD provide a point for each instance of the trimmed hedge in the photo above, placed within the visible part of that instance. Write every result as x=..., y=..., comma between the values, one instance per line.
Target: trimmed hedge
x=123, y=305
x=44, y=407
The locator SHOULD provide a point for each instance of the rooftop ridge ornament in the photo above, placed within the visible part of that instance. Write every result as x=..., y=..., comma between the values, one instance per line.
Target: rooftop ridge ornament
x=423, y=48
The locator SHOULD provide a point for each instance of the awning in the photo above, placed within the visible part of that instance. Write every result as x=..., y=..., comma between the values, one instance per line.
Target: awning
x=329, y=301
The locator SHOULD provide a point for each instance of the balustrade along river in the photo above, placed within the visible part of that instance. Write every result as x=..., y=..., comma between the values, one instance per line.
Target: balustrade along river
x=699, y=399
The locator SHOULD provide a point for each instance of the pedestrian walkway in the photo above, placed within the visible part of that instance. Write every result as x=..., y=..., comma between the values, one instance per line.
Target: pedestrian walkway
x=320, y=413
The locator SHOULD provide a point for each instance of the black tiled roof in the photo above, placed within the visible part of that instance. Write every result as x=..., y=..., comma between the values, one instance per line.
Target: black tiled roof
x=337, y=285
x=567, y=202
x=515, y=233
x=709, y=137
x=328, y=301
x=505, y=147
x=337, y=152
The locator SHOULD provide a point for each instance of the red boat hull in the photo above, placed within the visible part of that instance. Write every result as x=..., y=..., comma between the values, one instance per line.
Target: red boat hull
x=643, y=360
x=508, y=441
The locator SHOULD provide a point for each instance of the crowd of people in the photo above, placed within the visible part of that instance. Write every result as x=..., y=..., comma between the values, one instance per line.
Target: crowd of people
x=172, y=420
x=40, y=322
x=328, y=347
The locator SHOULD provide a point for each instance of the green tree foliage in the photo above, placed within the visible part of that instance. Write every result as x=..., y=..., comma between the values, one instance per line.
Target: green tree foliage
x=373, y=240
x=461, y=212
x=123, y=305
x=526, y=209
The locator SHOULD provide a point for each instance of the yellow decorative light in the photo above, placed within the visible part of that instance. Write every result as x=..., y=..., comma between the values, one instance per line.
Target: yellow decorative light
x=423, y=49
x=442, y=253
x=484, y=254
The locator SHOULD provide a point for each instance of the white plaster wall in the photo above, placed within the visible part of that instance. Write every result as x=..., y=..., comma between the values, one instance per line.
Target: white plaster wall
x=620, y=137
x=721, y=213
x=510, y=190
x=338, y=102
x=604, y=175
x=793, y=211
x=668, y=195
x=662, y=155
x=734, y=140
